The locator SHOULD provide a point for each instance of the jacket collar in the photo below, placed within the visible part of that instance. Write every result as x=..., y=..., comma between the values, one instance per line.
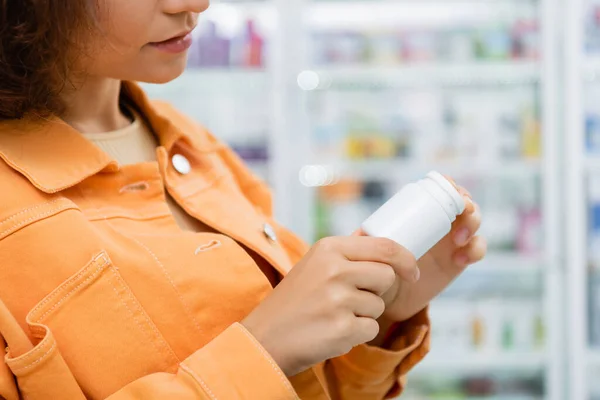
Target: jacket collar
x=54, y=156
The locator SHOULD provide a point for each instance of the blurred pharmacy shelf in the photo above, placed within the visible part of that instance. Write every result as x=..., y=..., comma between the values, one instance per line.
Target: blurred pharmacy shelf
x=468, y=364
x=467, y=74
x=502, y=262
x=408, y=170
x=390, y=90
x=411, y=13
x=394, y=2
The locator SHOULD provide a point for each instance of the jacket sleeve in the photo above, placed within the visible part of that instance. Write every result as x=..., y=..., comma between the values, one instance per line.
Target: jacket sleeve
x=366, y=372
x=370, y=373
x=226, y=368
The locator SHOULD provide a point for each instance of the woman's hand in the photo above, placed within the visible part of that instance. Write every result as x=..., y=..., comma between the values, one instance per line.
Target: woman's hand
x=330, y=301
x=440, y=266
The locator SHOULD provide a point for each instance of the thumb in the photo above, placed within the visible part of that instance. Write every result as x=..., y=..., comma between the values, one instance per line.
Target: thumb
x=359, y=232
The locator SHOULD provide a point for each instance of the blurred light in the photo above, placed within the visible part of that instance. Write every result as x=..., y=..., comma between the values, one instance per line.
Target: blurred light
x=318, y=175
x=308, y=80
x=329, y=174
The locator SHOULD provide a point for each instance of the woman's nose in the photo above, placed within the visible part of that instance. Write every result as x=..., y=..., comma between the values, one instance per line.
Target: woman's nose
x=185, y=6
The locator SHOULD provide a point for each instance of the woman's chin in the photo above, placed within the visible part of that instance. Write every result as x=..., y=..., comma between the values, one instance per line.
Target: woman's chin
x=164, y=74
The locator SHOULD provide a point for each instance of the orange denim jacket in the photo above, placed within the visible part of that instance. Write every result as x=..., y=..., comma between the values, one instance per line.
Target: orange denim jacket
x=103, y=296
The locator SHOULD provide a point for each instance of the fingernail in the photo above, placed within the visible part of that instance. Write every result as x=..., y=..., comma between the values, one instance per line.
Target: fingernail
x=469, y=205
x=461, y=237
x=417, y=274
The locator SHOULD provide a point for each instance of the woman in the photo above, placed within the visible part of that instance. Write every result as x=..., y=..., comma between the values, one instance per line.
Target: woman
x=138, y=255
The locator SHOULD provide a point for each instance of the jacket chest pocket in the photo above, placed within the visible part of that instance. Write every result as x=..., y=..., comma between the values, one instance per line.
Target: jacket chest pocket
x=103, y=333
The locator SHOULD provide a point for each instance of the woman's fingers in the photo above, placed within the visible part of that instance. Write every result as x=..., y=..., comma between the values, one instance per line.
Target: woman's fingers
x=373, y=277
x=366, y=304
x=466, y=226
x=472, y=252
x=378, y=250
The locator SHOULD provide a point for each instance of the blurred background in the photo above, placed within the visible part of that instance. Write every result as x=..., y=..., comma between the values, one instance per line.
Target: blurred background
x=338, y=103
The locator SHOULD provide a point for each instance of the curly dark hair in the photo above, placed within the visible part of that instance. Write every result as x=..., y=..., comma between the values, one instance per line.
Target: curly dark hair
x=39, y=42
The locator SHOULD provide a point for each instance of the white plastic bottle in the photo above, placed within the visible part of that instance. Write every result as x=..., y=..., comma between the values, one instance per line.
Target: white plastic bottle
x=419, y=215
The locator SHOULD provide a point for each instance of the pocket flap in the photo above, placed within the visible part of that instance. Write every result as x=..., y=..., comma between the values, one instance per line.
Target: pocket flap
x=42, y=372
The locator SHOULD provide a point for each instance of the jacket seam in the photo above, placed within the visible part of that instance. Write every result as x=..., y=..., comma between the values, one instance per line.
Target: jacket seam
x=52, y=295
x=98, y=216
x=92, y=276
x=26, y=210
x=275, y=367
x=39, y=360
x=36, y=183
x=33, y=354
x=171, y=282
x=165, y=273
x=166, y=350
x=199, y=380
x=35, y=218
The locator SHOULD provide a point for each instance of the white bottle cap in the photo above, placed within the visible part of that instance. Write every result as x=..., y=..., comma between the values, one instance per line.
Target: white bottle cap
x=445, y=193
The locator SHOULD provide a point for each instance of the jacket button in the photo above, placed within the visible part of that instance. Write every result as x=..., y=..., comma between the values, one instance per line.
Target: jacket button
x=269, y=232
x=181, y=164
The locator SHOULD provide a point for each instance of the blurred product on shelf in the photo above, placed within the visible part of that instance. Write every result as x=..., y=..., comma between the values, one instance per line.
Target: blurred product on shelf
x=512, y=209
x=492, y=325
x=592, y=131
x=530, y=237
x=345, y=205
x=592, y=119
x=493, y=44
x=211, y=49
x=385, y=49
x=247, y=47
x=483, y=386
x=428, y=126
x=531, y=135
x=252, y=149
x=593, y=195
x=519, y=41
x=594, y=307
x=419, y=46
x=526, y=40
x=367, y=138
x=592, y=28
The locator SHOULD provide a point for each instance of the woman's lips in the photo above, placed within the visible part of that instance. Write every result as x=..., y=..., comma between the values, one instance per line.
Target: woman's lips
x=176, y=45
